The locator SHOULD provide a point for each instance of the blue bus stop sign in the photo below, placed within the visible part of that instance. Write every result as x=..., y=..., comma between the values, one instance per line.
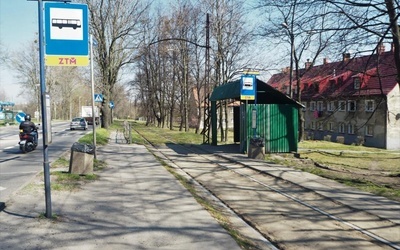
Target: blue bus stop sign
x=67, y=34
x=20, y=117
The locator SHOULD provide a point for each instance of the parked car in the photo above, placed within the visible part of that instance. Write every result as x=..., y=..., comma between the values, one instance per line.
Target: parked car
x=78, y=123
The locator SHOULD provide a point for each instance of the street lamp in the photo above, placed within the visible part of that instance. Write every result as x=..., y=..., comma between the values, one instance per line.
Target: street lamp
x=291, y=35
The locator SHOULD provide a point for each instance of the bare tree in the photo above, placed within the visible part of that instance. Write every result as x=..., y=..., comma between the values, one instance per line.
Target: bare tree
x=171, y=64
x=115, y=25
x=68, y=91
x=3, y=55
x=229, y=38
x=26, y=64
x=373, y=23
x=64, y=84
x=309, y=29
x=3, y=63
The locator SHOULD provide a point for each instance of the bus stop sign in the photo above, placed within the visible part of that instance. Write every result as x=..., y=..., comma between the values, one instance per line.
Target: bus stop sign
x=67, y=34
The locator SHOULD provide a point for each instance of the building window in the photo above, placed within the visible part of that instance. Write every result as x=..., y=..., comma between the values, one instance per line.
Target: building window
x=369, y=105
x=320, y=106
x=331, y=127
x=330, y=106
x=312, y=125
x=342, y=105
x=351, y=106
x=332, y=84
x=350, y=128
x=357, y=83
x=312, y=106
x=320, y=125
x=316, y=86
x=341, y=128
x=369, y=130
x=305, y=106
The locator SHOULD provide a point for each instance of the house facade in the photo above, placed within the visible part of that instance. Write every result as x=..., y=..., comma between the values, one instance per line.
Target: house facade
x=352, y=101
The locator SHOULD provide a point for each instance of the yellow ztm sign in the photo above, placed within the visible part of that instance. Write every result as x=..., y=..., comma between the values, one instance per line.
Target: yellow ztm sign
x=247, y=97
x=67, y=60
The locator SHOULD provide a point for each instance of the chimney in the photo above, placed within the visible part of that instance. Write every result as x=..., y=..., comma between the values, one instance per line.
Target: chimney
x=325, y=61
x=380, y=49
x=308, y=64
x=346, y=57
x=286, y=70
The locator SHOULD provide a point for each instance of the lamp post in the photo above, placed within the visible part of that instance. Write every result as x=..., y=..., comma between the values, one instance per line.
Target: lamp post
x=291, y=35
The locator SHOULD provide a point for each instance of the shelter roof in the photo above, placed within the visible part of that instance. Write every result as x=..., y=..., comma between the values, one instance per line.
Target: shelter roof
x=266, y=94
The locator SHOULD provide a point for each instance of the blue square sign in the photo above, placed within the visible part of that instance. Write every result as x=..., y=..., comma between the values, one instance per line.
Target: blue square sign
x=248, y=85
x=67, y=29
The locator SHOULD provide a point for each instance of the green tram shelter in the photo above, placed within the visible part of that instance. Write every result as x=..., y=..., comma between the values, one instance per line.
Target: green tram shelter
x=275, y=123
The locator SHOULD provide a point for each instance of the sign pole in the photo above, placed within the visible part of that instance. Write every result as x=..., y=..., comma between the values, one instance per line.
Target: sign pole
x=92, y=81
x=46, y=166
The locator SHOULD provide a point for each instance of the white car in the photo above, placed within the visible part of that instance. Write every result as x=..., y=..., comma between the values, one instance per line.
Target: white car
x=78, y=123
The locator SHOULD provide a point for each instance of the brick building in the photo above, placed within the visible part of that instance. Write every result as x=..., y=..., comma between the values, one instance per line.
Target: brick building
x=352, y=101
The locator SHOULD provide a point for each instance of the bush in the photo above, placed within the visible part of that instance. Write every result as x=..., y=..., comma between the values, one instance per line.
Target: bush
x=360, y=140
x=340, y=139
x=327, y=138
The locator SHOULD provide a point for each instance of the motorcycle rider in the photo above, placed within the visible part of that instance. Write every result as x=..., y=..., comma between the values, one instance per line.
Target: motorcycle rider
x=29, y=127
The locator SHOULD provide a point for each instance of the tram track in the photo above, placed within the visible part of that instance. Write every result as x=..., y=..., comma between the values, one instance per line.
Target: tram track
x=285, y=213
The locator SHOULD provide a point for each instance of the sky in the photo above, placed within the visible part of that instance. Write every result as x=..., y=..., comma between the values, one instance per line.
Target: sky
x=18, y=25
x=18, y=28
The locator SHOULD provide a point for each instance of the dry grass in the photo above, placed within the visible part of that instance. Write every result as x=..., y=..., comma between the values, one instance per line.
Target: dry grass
x=369, y=169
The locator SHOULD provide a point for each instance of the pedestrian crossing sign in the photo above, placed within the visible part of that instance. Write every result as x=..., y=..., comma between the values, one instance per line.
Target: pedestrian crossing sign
x=98, y=97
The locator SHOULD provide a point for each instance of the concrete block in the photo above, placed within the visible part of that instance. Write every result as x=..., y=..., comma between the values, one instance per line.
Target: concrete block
x=256, y=152
x=81, y=163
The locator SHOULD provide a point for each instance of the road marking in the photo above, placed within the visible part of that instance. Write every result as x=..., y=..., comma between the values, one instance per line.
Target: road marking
x=2, y=188
x=13, y=173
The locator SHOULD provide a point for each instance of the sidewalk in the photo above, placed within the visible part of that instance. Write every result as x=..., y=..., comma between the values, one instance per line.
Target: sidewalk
x=136, y=204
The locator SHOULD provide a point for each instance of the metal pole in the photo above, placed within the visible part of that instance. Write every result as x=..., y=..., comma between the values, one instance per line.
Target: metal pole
x=206, y=125
x=291, y=63
x=92, y=80
x=46, y=165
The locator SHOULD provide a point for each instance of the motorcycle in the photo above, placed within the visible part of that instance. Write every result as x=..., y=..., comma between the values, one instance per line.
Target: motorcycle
x=27, y=141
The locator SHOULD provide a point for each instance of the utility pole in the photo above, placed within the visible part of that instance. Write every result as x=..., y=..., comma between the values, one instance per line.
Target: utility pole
x=207, y=116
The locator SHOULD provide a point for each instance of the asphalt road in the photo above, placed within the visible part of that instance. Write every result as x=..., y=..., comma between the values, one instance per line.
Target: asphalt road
x=17, y=168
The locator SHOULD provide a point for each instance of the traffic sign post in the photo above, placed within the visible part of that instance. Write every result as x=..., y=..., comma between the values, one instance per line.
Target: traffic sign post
x=20, y=117
x=66, y=40
x=98, y=97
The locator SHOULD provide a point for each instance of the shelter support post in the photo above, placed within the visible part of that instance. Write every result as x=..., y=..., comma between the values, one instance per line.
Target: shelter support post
x=214, y=122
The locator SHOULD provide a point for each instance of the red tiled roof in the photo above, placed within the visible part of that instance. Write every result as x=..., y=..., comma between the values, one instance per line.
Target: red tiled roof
x=337, y=78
